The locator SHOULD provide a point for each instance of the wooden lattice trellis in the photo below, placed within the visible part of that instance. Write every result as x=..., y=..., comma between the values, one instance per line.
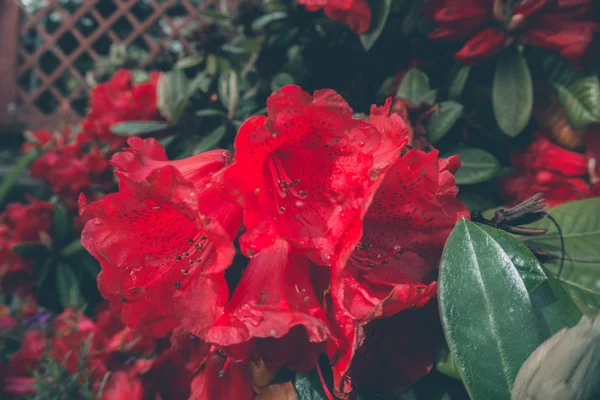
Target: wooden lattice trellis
x=59, y=42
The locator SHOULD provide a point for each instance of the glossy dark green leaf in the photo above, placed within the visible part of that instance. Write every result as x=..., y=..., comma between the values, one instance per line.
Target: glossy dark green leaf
x=488, y=319
x=209, y=112
x=308, y=386
x=580, y=225
x=581, y=100
x=261, y=22
x=29, y=249
x=229, y=92
x=380, y=9
x=138, y=128
x=528, y=266
x=280, y=80
x=172, y=94
x=67, y=286
x=459, y=81
x=429, y=97
x=201, y=82
x=414, y=86
x=61, y=225
x=512, y=92
x=211, y=141
x=190, y=61
x=476, y=166
x=443, y=119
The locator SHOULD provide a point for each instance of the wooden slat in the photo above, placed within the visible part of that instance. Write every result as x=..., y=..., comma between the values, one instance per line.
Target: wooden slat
x=9, y=32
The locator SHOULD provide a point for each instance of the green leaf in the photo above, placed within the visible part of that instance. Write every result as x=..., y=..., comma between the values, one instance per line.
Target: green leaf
x=525, y=262
x=201, y=82
x=191, y=61
x=512, y=92
x=29, y=249
x=458, y=83
x=553, y=307
x=173, y=94
x=67, y=286
x=229, y=92
x=429, y=97
x=476, y=166
x=138, y=128
x=308, y=386
x=280, y=80
x=209, y=112
x=61, y=225
x=488, y=320
x=581, y=100
x=444, y=362
x=380, y=9
x=442, y=120
x=580, y=225
x=261, y=22
x=211, y=141
x=414, y=86
x=19, y=167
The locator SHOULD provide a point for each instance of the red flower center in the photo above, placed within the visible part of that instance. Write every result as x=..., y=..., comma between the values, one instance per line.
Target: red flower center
x=284, y=185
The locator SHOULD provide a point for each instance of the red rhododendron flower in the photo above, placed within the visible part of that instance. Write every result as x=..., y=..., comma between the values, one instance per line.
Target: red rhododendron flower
x=546, y=168
x=20, y=223
x=354, y=13
x=392, y=268
x=118, y=100
x=183, y=235
x=563, y=27
x=305, y=173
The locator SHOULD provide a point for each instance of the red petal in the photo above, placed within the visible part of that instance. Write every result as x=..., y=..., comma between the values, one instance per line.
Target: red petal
x=122, y=386
x=274, y=295
x=358, y=17
x=487, y=43
x=394, y=134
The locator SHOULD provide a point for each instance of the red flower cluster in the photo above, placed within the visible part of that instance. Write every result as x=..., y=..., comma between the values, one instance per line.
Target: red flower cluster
x=561, y=175
x=354, y=13
x=118, y=100
x=21, y=223
x=79, y=163
x=488, y=26
x=129, y=361
x=340, y=227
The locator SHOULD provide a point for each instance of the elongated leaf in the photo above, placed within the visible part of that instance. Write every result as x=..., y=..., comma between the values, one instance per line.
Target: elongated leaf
x=61, y=225
x=414, y=86
x=442, y=120
x=458, y=83
x=380, y=9
x=581, y=100
x=229, y=92
x=67, y=286
x=211, y=141
x=476, y=166
x=261, y=22
x=172, y=94
x=190, y=61
x=19, y=167
x=29, y=249
x=138, y=128
x=512, y=92
x=580, y=225
x=209, y=112
x=488, y=319
x=528, y=266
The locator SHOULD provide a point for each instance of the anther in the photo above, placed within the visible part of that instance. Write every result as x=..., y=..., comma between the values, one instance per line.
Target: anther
x=177, y=285
x=185, y=271
x=190, y=240
x=198, y=246
x=202, y=237
x=178, y=258
x=186, y=254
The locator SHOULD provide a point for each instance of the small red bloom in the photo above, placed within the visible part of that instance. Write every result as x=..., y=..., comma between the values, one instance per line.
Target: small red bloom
x=20, y=223
x=182, y=231
x=119, y=100
x=563, y=27
x=356, y=14
x=547, y=168
x=305, y=173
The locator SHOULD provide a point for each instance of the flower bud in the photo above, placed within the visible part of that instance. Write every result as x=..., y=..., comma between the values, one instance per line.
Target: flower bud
x=565, y=367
